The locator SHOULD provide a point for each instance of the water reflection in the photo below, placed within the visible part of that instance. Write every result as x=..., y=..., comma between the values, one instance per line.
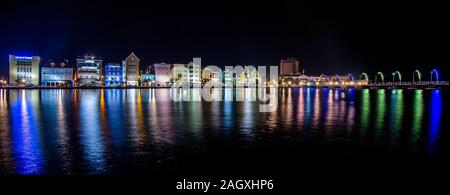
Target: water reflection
x=26, y=135
x=365, y=111
x=435, y=120
x=380, y=111
x=6, y=157
x=92, y=142
x=417, y=115
x=111, y=130
x=396, y=113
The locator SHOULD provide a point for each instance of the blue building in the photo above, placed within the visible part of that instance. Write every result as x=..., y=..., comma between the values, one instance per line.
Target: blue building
x=57, y=74
x=114, y=74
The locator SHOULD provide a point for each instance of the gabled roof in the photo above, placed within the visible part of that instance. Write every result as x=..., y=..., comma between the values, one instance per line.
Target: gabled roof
x=132, y=55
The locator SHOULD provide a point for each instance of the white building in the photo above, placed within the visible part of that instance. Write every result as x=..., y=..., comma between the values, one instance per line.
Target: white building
x=24, y=70
x=180, y=73
x=89, y=71
x=211, y=75
x=162, y=74
x=57, y=74
x=228, y=78
x=195, y=68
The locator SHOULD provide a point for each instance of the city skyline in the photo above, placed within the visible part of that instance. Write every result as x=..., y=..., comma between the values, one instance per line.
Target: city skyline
x=333, y=38
x=224, y=95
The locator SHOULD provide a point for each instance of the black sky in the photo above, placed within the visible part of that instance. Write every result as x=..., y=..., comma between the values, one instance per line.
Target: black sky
x=339, y=37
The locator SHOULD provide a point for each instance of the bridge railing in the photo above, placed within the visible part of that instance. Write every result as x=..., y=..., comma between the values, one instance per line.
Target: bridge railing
x=408, y=83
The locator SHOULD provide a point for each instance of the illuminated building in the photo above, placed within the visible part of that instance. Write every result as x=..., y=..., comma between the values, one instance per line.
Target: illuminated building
x=180, y=73
x=147, y=78
x=162, y=74
x=132, y=70
x=24, y=70
x=211, y=75
x=228, y=78
x=248, y=76
x=57, y=74
x=89, y=71
x=289, y=66
x=114, y=74
x=195, y=70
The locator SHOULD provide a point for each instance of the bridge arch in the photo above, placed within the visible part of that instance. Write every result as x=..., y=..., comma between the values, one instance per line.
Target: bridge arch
x=419, y=75
x=436, y=75
x=381, y=76
x=399, y=76
x=366, y=77
x=351, y=76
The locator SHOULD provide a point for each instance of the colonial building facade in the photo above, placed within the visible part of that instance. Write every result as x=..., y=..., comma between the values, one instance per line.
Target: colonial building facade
x=180, y=73
x=114, y=74
x=89, y=71
x=57, y=74
x=24, y=70
x=132, y=70
x=162, y=74
x=195, y=68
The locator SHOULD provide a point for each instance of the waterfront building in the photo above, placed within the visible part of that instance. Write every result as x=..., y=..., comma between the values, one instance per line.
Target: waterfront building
x=228, y=78
x=57, y=74
x=289, y=67
x=340, y=80
x=180, y=73
x=303, y=80
x=147, y=79
x=89, y=71
x=24, y=70
x=195, y=68
x=3, y=82
x=114, y=74
x=210, y=75
x=249, y=76
x=132, y=70
x=162, y=74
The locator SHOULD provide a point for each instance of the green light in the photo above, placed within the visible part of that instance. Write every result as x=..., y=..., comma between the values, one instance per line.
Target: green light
x=366, y=77
x=418, y=75
x=365, y=110
x=396, y=114
x=399, y=75
x=417, y=115
x=418, y=91
x=380, y=113
x=382, y=76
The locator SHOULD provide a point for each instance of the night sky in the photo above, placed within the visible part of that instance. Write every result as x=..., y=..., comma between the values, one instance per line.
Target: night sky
x=327, y=37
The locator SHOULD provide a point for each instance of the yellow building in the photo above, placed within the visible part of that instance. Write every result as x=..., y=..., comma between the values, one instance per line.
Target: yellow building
x=24, y=70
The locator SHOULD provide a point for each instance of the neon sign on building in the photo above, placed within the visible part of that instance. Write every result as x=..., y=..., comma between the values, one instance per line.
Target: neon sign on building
x=23, y=58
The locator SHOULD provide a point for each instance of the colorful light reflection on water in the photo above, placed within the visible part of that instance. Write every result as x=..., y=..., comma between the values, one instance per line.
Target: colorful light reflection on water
x=143, y=131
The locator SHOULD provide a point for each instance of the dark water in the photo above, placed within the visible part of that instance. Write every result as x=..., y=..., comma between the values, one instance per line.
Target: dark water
x=133, y=131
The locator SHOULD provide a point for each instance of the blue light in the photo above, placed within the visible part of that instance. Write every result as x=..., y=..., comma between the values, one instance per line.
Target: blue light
x=437, y=74
x=23, y=58
x=26, y=143
x=435, y=121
